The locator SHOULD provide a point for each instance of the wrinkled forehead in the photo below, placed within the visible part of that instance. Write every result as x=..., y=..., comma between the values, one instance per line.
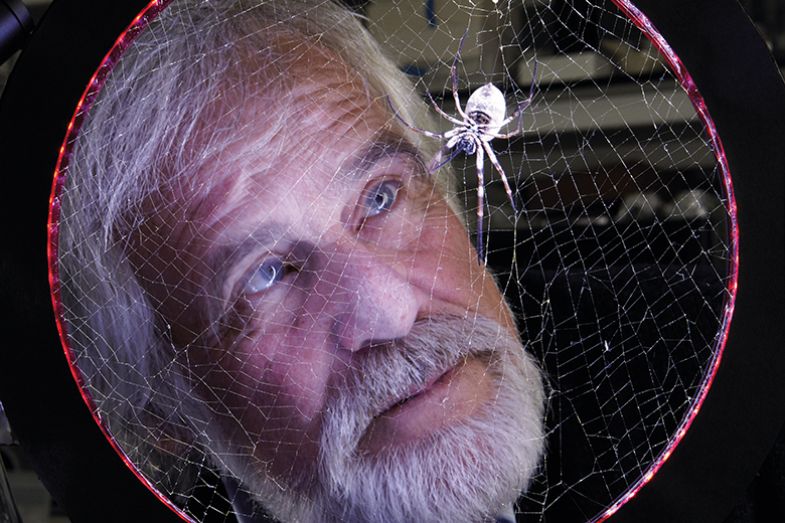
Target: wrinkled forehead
x=327, y=113
x=301, y=128
x=316, y=95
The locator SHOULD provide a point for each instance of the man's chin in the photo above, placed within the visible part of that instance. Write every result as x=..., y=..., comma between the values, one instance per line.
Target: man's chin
x=460, y=464
x=462, y=451
x=463, y=472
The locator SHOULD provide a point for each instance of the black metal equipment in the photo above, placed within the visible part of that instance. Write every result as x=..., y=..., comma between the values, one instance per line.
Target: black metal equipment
x=16, y=24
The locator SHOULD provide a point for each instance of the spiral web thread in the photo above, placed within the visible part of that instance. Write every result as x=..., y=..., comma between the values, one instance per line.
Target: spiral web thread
x=618, y=264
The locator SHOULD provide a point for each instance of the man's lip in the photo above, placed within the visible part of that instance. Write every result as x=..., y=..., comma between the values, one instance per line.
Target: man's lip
x=420, y=389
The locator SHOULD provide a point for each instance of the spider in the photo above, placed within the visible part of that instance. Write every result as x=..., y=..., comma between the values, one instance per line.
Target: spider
x=480, y=122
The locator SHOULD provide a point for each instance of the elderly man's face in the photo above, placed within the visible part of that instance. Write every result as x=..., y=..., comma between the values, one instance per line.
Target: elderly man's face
x=326, y=297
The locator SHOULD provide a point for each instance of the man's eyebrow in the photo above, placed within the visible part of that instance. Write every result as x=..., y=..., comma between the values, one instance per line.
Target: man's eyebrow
x=384, y=145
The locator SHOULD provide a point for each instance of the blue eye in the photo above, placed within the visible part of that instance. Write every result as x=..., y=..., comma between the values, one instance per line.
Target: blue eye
x=270, y=272
x=381, y=197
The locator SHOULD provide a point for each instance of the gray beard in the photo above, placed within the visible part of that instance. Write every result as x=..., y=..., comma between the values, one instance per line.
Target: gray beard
x=468, y=471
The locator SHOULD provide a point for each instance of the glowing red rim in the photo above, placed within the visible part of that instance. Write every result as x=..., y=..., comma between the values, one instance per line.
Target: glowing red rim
x=642, y=22
x=137, y=25
x=155, y=7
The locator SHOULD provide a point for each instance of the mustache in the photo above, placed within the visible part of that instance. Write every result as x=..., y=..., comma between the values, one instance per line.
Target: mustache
x=388, y=373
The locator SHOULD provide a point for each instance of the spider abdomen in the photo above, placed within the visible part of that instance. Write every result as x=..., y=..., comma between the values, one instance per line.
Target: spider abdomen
x=487, y=107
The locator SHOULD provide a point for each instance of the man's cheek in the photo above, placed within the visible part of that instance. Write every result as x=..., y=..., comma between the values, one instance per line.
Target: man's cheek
x=268, y=406
x=281, y=385
x=285, y=368
x=443, y=256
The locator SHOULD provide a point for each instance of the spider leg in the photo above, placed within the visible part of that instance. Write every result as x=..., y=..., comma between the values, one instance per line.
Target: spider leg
x=511, y=134
x=480, y=202
x=410, y=126
x=519, y=110
x=441, y=112
x=438, y=160
x=495, y=162
x=453, y=137
x=454, y=78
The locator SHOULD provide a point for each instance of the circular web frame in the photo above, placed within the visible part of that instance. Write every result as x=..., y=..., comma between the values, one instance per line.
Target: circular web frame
x=687, y=83
x=151, y=10
x=137, y=25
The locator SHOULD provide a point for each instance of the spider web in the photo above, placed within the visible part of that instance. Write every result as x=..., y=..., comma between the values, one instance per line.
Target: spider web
x=618, y=266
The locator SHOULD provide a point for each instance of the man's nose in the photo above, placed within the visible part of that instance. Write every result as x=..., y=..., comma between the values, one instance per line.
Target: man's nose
x=368, y=301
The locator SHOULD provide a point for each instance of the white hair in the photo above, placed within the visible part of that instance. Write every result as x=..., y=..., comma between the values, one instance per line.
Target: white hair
x=182, y=81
